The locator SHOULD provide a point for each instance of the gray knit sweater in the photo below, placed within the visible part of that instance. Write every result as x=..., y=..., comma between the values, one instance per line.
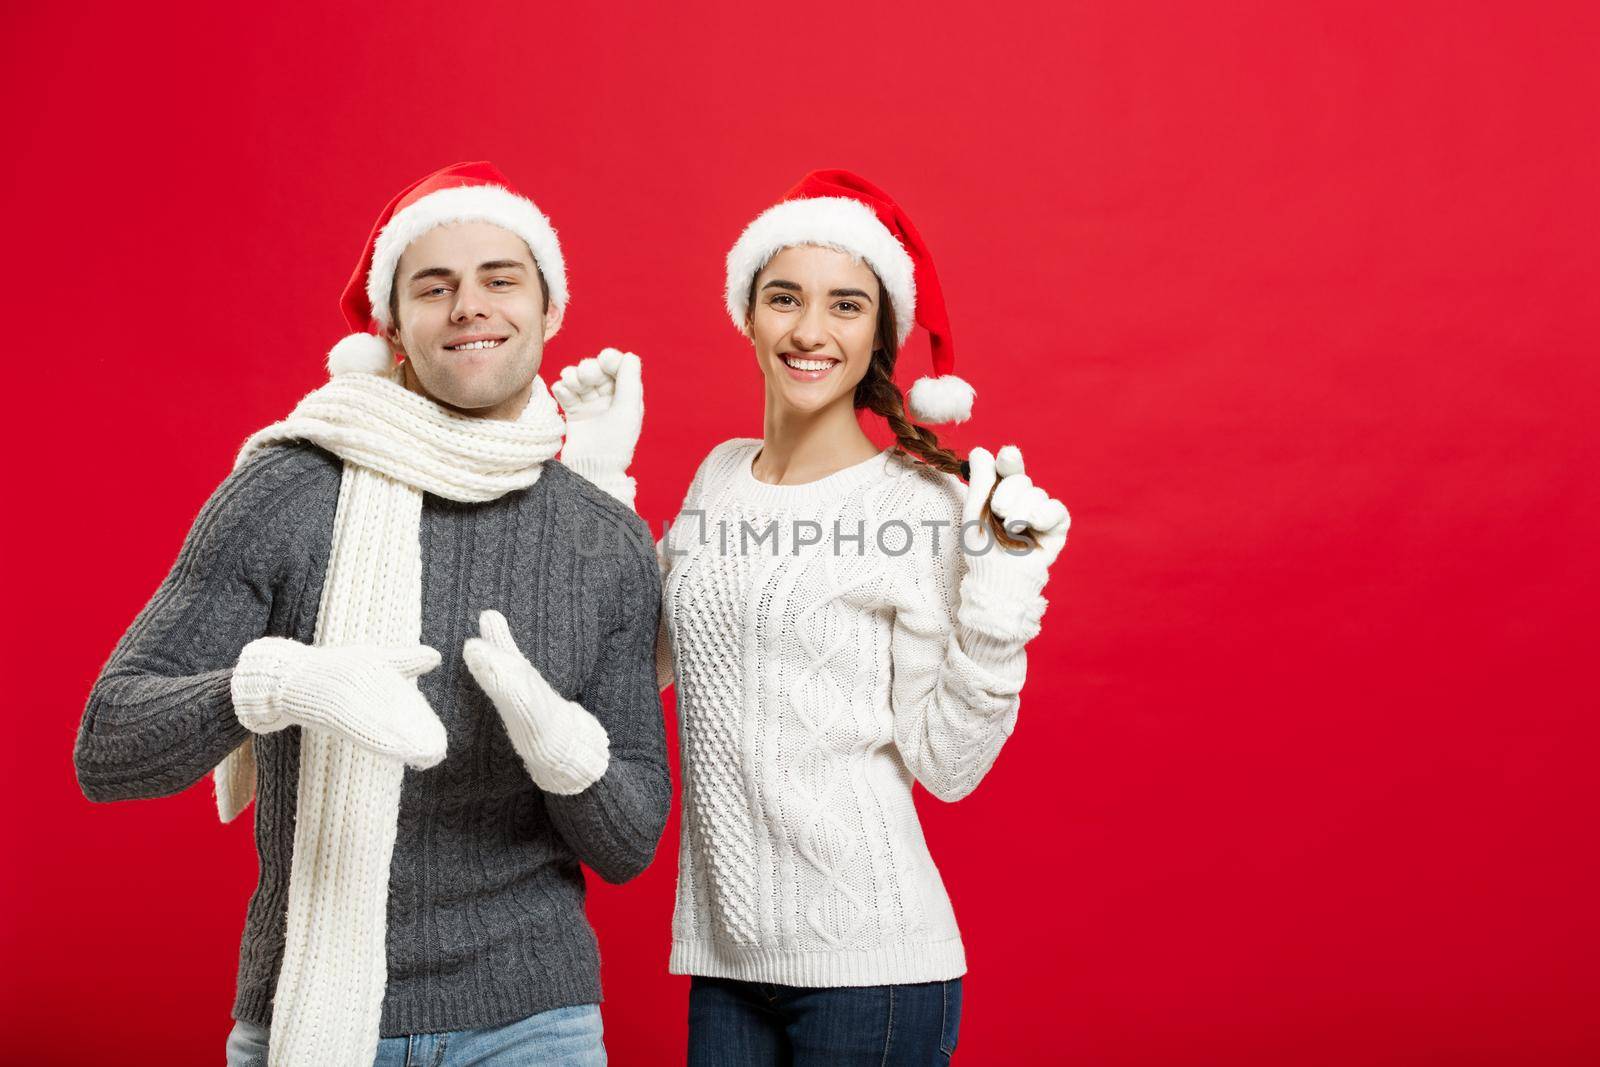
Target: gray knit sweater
x=486, y=916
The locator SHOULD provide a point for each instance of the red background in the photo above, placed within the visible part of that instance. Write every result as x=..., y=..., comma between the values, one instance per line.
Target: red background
x=1293, y=304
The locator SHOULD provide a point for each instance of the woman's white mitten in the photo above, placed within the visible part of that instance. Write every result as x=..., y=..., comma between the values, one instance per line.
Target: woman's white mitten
x=603, y=400
x=1000, y=591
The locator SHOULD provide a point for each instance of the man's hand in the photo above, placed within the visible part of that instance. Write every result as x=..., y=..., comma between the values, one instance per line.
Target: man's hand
x=563, y=747
x=365, y=693
x=603, y=398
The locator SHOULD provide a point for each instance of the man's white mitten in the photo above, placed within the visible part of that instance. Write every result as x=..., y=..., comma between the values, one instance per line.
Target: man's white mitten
x=564, y=748
x=365, y=693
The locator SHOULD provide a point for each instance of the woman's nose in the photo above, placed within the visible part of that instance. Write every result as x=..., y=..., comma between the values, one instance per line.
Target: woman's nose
x=809, y=332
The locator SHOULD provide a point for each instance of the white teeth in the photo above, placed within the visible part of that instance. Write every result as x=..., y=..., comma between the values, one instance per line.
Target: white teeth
x=808, y=364
x=473, y=345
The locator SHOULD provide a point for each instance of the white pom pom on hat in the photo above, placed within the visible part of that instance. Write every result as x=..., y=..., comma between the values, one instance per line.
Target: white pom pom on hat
x=462, y=192
x=942, y=399
x=359, y=353
x=843, y=210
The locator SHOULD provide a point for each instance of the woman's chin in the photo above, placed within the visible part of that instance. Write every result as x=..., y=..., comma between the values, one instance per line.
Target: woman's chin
x=806, y=399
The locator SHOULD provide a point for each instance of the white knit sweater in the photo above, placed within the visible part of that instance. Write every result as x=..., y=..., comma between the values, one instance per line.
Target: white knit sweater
x=814, y=684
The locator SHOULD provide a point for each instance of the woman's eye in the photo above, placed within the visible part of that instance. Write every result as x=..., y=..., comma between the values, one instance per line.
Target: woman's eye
x=848, y=306
x=783, y=300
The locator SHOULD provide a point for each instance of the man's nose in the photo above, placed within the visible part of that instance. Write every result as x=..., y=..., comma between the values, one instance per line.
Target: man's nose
x=469, y=305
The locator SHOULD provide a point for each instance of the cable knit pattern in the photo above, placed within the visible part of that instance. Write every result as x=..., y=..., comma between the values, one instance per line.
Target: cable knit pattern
x=485, y=897
x=330, y=986
x=395, y=445
x=825, y=658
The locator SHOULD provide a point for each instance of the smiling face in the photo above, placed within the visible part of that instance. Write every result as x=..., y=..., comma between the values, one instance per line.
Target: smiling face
x=813, y=320
x=470, y=318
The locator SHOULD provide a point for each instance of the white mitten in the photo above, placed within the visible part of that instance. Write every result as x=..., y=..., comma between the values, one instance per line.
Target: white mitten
x=365, y=693
x=564, y=748
x=603, y=399
x=1000, y=590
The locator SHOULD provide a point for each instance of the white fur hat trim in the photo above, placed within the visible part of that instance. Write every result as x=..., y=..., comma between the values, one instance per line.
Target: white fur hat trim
x=835, y=222
x=466, y=203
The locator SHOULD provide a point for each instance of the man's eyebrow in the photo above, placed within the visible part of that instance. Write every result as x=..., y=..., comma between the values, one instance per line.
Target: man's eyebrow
x=793, y=287
x=502, y=264
x=861, y=293
x=433, y=272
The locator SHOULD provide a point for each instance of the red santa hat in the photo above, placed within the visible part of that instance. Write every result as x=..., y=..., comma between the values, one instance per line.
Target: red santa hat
x=464, y=192
x=842, y=210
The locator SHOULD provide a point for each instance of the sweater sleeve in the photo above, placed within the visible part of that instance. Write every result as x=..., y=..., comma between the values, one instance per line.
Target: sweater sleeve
x=160, y=715
x=668, y=547
x=605, y=477
x=615, y=824
x=624, y=489
x=663, y=657
x=959, y=660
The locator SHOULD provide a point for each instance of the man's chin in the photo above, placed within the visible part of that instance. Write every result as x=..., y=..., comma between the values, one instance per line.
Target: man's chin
x=477, y=398
x=471, y=390
x=472, y=402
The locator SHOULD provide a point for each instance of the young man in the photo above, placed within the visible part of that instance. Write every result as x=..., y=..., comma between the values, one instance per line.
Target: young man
x=400, y=571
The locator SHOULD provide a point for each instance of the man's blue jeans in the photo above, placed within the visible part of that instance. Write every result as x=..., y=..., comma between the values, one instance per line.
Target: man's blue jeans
x=751, y=1024
x=564, y=1037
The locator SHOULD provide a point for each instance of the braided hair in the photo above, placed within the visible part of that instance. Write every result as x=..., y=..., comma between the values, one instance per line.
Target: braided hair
x=878, y=393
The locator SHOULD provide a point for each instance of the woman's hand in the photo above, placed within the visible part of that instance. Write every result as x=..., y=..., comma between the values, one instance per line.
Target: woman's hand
x=1019, y=504
x=1001, y=601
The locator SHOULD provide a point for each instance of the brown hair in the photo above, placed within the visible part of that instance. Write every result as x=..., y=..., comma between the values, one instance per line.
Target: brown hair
x=878, y=393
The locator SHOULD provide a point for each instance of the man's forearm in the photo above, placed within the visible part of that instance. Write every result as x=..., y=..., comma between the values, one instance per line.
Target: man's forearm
x=148, y=736
x=615, y=825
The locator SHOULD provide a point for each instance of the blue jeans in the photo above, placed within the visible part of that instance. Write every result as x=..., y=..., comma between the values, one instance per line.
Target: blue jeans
x=750, y=1024
x=563, y=1037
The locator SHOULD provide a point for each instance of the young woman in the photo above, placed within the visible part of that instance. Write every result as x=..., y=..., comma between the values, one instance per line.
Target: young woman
x=840, y=623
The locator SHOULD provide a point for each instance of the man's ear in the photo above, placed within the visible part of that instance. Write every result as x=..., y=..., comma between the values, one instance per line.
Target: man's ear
x=393, y=337
x=552, y=320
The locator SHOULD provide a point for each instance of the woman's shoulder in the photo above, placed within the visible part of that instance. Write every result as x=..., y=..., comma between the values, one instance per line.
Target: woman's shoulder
x=927, y=491
x=717, y=467
x=732, y=446
x=930, y=503
x=723, y=459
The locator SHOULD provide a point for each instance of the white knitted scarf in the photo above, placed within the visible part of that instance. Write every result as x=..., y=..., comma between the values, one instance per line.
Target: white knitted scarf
x=396, y=445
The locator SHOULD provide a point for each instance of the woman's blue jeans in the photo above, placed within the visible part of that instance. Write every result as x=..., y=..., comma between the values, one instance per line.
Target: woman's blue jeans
x=753, y=1024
